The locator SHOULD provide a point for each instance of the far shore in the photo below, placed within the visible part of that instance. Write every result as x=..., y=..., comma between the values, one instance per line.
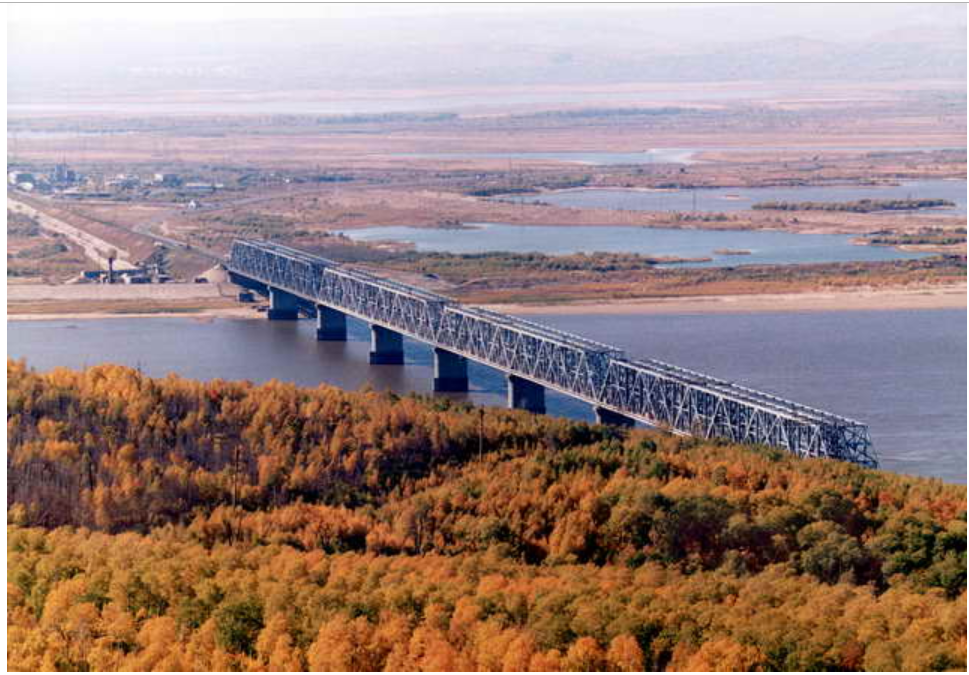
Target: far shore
x=942, y=297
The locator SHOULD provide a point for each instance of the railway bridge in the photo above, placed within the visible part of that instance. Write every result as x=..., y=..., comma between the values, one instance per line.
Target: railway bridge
x=534, y=357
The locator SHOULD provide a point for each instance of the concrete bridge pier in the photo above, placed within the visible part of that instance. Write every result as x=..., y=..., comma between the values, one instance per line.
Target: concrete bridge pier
x=331, y=324
x=283, y=306
x=611, y=417
x=525, y=395
x=386, y=346
x=450, y=371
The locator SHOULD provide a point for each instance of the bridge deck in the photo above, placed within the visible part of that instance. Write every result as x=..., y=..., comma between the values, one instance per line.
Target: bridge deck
x=654, y=392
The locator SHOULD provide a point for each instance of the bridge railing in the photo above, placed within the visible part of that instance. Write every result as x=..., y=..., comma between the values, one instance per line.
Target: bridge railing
x=657, y=393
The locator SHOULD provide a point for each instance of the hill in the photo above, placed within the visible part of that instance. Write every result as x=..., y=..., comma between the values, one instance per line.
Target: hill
x=172, y=524
x=515, y=47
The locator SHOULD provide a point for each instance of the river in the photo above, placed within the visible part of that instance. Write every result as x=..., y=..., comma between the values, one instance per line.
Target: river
x=655, y=155
x=903, y=372
x=591, y=158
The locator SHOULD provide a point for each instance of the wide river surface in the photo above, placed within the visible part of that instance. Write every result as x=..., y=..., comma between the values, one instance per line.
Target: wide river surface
x=765, y=247
x=902, y=372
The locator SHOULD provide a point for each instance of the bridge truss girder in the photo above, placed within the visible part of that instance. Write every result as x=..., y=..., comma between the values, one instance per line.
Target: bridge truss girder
x=656, y=393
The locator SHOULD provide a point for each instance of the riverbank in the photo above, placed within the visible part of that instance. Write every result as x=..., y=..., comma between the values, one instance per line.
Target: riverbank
x=199, y=313
x=939, y=297
x=934, y=297
x=69, y=301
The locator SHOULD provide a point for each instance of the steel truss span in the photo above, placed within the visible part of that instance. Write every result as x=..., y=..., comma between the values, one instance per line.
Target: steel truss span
x=659, y=394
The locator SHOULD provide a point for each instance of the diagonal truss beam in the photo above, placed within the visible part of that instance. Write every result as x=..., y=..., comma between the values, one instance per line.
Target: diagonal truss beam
x=659, y=394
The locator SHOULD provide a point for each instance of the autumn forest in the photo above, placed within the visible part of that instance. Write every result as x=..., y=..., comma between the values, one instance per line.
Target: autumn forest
x=171, y=524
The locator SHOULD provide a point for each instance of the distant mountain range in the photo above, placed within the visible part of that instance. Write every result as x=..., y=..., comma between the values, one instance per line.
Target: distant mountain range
x=688, y=44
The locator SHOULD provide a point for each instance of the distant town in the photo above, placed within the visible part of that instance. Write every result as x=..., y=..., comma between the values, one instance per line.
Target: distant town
x=64, y=181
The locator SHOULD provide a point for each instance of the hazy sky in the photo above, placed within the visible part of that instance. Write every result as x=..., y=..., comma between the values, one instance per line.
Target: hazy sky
x=853, y=19
x=201, y=12
x=55, y=50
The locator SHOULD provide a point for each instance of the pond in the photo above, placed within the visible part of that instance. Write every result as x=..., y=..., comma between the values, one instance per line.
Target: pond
x=725, y=200
x=765, y=247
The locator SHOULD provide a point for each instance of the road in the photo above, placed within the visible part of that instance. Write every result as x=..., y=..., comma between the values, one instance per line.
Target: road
x=95, y=248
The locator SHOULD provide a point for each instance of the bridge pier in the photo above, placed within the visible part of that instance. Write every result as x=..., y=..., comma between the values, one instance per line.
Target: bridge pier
x=525, y=395
x=331, y=324
x=386, y=346
x=450, y=371
x=611, y=417
x=716, y=407
x=283, y=306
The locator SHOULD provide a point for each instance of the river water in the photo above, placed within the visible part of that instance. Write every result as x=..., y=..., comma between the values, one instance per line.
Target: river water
x=903, y=372
x=418, y=100
x=765, y=247
x=651, y=155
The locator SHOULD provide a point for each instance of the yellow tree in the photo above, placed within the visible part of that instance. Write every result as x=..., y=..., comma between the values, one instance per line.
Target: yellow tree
x=624, y=654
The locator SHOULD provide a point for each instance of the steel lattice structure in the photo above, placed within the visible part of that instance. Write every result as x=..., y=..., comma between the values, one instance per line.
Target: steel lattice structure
x=657, y=393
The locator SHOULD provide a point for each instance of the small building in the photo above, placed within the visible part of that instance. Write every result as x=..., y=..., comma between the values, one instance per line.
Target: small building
x=246, y=296
x=168, y=179
x=21, y=178
x=77, y=194
x=206, y=188
x=123, y=182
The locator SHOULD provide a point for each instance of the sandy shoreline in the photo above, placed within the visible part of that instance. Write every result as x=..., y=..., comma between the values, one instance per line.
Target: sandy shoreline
x=942, y=297
x=202, y=314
